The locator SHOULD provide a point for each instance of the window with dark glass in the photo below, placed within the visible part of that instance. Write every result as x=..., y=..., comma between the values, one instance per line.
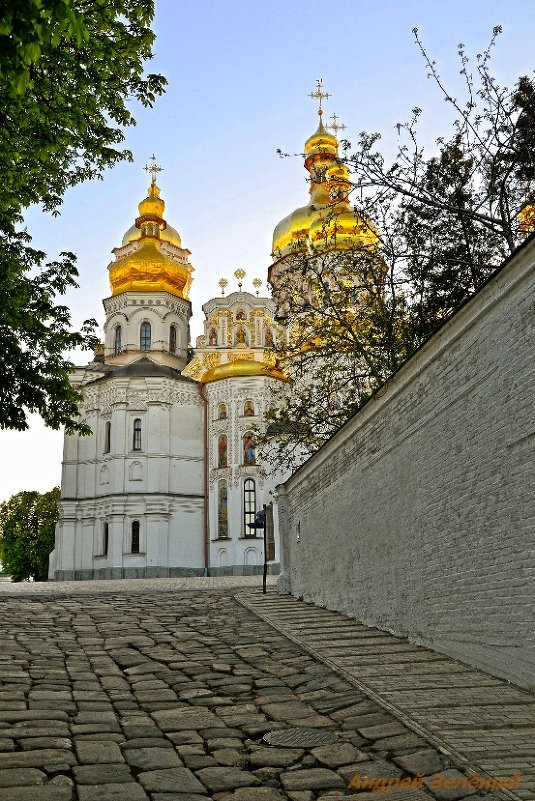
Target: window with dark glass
x=172, y=339
x=117, y=341
x=249, y=506
x=107, y=437
x=105, y=539
x=136, y=443
x=135, y=537
x=144, y=336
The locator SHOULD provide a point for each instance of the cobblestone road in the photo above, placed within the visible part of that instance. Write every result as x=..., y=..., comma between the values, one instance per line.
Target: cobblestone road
x=140, y=693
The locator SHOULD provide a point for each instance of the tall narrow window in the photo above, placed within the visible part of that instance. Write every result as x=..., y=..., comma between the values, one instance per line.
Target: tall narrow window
x=136, y=442
x=249, y=507
x=172, y=339
x=117, y=341
x=144, y=336
x=222, y=411
x=107, y=437
x=105, y=539
x=135, y=537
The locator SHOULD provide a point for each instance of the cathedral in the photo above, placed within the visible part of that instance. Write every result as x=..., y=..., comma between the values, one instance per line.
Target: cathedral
x=170, y=483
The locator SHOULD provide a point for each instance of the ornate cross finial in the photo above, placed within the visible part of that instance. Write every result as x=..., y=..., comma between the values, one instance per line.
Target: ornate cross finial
x=257, y=283
x=319, y=95
x=153, y=168
x=336, y=126
x=240, y=275
x=223, y=283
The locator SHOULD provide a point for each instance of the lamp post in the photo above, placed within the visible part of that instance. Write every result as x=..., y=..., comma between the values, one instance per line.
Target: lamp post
x=260, y=523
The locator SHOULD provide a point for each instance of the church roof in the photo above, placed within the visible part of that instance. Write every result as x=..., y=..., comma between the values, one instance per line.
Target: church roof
x=143, y=368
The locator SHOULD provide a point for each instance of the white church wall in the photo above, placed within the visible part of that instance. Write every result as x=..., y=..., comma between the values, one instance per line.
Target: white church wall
x=418, y=516
x=238, y=554
x=155, y=479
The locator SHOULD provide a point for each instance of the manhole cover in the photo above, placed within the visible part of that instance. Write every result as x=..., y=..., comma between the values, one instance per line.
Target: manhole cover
x=299, y=738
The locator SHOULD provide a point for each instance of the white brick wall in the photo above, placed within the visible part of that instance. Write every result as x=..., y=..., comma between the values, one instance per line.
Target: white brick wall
x=418, y=517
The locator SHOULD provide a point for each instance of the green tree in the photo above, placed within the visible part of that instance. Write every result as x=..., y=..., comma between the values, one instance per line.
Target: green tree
x=27, y=525
x=69, y=69
x=445, y=220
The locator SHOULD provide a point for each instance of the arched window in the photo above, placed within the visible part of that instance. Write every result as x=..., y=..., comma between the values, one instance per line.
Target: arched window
x=222, y=451
x=172, y=339
x=222, y=510
x=222, y=411
x=107, y=437
x=212, y=337
x=117, y=340
x=105, y=539
x=136, y=439
x=144, y=336
x=248, y=409
x=248, y=449
x=135, y=537
x=249, y=507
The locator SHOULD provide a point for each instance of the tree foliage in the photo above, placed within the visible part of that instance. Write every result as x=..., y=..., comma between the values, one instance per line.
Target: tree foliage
x=453, y=215
x=27, y=525
x=445, y=220
x=347, y=332
x=69, y=70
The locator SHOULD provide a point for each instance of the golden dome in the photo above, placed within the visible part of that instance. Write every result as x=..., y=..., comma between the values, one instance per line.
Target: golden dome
x=148, y=268
x=329, y=220
x=242, y=367
x=321, y=146
x=153, y=205
x=152, y=209
x=291, y=233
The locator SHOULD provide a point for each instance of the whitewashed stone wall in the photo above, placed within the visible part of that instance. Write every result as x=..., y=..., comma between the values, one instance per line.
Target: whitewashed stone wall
x=418, y=517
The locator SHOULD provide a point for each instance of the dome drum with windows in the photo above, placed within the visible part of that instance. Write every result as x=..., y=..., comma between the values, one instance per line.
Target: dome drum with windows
x=151, y=257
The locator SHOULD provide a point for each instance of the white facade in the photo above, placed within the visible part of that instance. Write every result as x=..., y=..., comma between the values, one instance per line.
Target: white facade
x=147, y=493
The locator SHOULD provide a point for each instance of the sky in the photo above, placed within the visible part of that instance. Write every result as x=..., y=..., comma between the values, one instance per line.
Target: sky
x=239, y=76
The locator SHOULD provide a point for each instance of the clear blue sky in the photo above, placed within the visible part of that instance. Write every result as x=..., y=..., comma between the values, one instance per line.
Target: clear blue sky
x=239, y=75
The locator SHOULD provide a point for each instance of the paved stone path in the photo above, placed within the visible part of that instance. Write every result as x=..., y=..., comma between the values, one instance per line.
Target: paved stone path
x=154, y=691
x=59, y=588
x=481, y=721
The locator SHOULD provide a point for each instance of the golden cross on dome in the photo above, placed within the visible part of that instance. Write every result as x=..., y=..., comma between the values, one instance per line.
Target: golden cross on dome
x=336, y=126
x=319, y=95
x=153, y=168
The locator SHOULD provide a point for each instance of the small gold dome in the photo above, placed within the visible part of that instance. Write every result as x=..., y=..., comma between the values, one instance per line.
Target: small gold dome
x=242, y=367
x=321, y=142
x=152, y=205
x=152, y=208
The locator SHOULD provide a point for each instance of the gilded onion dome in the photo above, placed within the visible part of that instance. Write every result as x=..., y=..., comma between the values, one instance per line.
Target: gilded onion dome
x=328, y=221
x=151, y=257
